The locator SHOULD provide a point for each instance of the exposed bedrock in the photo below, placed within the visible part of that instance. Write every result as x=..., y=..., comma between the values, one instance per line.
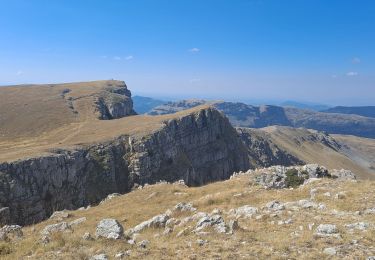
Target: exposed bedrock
x=198, y=148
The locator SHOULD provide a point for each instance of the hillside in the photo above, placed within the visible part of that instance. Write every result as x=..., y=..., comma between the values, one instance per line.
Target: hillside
x=243, y=115
x=367, y=111
x=233, y=219
x=78, y=158
x=337, y=151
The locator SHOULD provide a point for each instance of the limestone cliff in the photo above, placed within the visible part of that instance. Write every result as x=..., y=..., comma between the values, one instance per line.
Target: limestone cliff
x=198, y=148
x=115, y=102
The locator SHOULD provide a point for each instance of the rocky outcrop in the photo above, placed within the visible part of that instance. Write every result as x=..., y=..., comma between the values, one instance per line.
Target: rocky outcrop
x=198, y=148
x=115, y=102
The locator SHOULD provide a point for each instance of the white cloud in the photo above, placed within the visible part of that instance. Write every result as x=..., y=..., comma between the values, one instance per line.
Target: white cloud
x=19, y=73
x=194, y=50
x=117, y=58
x=334, y=76
x=352, y=74
x=130, y=57
x=356, y=60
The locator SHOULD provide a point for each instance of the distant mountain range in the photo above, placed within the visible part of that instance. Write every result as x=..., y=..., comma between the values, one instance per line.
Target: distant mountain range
x=367, y=111
x=243, y=115
x=143, y=105
x=311, y=106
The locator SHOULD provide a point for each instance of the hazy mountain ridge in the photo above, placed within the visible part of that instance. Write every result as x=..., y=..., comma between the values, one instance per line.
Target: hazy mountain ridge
x=367, y=111
x=244, y=115
x=144, y=104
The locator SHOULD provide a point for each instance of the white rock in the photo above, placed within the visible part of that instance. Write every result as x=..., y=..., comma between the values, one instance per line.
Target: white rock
x=155, y=222
x=327, y=230
x=109, y=228
x=59, y=215
x=77, y=221
x=246, y=211
x=11, y=231
x=99, y=257
x=183, y=206
x=59, y=227
x=329, y=251
x=359, y=226
x=275, y=205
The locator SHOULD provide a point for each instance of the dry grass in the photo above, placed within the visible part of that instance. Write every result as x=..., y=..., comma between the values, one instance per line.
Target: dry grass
x=295, y=141
x=258, y=239
x=35, y=119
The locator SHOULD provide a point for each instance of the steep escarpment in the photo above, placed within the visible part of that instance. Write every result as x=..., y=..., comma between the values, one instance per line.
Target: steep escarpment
x=115, y=102
x=198, y=148
x=263, y=152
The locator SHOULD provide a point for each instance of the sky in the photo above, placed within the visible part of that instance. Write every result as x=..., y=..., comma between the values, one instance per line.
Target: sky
x=306, y=50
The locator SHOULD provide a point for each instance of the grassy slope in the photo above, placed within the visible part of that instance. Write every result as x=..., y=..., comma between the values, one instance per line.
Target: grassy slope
x=295, y=142
x=256, y=239
x=35, y=119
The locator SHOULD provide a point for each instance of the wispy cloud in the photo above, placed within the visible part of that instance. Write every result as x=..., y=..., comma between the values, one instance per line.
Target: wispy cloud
x=19, y=73
x=194, y=50
x=356, y=60
x=117, y=58
x=104, y=56
x=334, y=76
x=130, y=57
x=352, y=74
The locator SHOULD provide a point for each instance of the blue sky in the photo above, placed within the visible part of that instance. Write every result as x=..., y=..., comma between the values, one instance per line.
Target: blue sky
x=307, y=50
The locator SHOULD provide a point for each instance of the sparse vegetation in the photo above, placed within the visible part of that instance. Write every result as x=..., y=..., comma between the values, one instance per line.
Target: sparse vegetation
x=293, y=178
x=257, y=238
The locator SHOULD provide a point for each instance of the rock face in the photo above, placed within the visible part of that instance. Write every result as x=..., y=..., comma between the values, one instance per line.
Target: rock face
x=197, y=148
x=115, y=102
x=263, y=152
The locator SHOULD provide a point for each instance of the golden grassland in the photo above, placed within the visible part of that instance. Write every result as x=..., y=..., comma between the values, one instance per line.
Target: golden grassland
x=256, y=239
x=36, y=118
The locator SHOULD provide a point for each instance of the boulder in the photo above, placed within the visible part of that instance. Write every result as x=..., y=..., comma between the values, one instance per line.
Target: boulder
x=215, y=221
x=59, y=227
x=183, y=206
x=59, y=215
x=109, y=228
x=10, y=232
x=158, y=221
x=327, y=230
x=246, y=211
x=358, y=225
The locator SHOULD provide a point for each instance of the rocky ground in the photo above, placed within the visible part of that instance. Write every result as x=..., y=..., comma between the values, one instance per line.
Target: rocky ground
x=302, y=212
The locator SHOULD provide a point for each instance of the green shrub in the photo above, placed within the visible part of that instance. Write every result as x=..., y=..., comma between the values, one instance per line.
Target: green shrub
x=293, y=179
